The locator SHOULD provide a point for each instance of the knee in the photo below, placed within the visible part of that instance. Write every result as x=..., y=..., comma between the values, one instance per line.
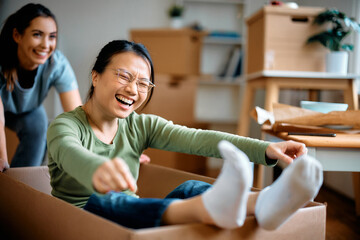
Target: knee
x=196, y=187
x=194, y=183
x=188, y=189
x=36, y=130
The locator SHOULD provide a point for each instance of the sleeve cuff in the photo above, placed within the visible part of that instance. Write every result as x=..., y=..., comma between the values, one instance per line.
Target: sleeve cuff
x=270, y=162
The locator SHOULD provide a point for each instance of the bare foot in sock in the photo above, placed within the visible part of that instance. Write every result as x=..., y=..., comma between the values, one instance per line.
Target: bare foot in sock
x=298, y=184
x=226, y=201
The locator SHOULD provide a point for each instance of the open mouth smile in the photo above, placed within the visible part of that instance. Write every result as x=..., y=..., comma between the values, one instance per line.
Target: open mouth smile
x=124, y=100
x=41, y=53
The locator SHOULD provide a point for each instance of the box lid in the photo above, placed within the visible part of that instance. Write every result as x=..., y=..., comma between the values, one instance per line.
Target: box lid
x=166, y=32
x=282, y=10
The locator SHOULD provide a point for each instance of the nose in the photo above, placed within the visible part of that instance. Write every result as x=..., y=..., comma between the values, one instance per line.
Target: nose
x=45, y=43
x=131, y=87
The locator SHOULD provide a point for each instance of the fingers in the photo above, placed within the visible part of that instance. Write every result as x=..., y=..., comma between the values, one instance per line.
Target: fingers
x=286, y=151
x=127, y=178
x=144, y=159
x=303, y=150
x=285, y=158
x=3, y=165
x=113, y=175
x=100, y=185
x=295, y=149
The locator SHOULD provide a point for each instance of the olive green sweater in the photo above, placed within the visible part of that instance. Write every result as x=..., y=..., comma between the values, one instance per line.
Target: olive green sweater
x=75, y=152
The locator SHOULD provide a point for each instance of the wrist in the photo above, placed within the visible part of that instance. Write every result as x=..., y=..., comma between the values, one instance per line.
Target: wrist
x=270, y=161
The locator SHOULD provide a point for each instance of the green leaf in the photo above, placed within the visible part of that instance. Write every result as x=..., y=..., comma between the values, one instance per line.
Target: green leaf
x=341, y=26
x=347, y=47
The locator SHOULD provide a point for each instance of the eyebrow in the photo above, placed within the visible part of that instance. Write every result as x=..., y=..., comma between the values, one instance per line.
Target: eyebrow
x=37, y=30
x=147, y=79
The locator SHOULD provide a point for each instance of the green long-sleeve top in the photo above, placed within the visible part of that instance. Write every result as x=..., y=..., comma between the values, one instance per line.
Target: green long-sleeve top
x=75, y=152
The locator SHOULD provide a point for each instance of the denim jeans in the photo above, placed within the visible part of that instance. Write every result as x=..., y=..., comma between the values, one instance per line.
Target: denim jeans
x=136, y=213
x=31, y=130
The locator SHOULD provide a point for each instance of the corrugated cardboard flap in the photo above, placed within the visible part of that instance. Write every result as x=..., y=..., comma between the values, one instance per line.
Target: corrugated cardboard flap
x=27, y=213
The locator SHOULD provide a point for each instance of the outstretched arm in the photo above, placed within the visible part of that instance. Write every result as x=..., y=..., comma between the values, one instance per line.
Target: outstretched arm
x=3, y=154
x=70, y=100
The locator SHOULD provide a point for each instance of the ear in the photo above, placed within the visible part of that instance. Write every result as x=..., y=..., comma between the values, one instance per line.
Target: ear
x=16, y=35
x=94, y=78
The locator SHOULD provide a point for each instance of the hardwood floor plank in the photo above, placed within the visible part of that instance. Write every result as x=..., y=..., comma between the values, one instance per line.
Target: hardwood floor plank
x=341, y=219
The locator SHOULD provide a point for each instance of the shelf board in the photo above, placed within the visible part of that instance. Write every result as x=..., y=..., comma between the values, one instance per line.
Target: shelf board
x=223, y=40
x=217, y=1
x=208, y=79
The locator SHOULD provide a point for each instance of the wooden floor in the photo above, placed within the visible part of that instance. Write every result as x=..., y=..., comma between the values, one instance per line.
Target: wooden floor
x=341, y=220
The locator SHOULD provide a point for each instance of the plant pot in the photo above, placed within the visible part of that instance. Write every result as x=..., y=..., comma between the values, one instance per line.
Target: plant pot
x=176, y=22
x=337, y=62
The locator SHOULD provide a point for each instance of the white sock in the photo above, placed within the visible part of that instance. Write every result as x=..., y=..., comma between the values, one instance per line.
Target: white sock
x=299, y=183
x=226, y=201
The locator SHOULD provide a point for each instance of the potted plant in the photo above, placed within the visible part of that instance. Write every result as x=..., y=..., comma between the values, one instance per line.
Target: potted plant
x=176, y=15
x=338, y=27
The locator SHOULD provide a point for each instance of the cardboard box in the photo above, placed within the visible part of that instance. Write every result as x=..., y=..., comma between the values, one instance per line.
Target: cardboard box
x=180, y=161
x=276, y=40
x=27, y=211
x=173, y=51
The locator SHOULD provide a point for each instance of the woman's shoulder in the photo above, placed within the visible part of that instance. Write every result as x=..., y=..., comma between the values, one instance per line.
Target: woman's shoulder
x=55, y=64
x=58, y=57
x=146, y=122
x=144, y=118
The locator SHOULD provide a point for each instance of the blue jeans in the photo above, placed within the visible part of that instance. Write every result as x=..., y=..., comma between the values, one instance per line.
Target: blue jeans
x=30, y=127
x=136, y=213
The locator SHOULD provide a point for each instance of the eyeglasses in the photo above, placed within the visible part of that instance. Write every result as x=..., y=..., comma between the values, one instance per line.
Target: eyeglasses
x=124, y=77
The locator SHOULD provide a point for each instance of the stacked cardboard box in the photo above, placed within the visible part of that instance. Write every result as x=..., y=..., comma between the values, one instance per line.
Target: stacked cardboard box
x=173, y=51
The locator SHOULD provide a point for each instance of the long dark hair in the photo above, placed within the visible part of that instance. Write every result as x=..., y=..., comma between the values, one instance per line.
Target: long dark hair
x=116, y=47
x=19, y=20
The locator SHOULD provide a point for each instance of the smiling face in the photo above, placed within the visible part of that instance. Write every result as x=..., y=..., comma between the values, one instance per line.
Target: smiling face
x=114, y=99
x=37, y=42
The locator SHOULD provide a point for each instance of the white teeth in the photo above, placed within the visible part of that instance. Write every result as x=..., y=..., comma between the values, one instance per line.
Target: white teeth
x=42, y=53
x=126, y=100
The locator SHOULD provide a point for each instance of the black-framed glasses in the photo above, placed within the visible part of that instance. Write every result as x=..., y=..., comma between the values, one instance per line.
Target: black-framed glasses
x=124, y=77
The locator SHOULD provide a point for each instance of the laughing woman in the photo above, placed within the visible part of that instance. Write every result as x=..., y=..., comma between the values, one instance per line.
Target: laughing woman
x=94, y=157
x=29, y=66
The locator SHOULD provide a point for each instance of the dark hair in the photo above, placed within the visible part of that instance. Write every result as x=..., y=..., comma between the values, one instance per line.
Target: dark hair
x=116, y=47
x=19, y=20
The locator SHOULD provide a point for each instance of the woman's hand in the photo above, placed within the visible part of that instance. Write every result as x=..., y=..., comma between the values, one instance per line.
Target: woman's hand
x=113, y=175
x=285, y=151
x=144, y=159
x=3, y=164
